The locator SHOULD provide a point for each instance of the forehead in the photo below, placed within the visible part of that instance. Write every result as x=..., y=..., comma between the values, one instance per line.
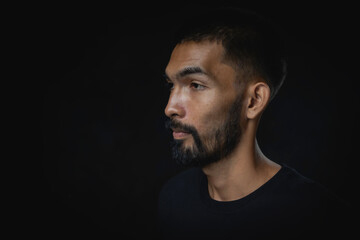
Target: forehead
x=206, y=55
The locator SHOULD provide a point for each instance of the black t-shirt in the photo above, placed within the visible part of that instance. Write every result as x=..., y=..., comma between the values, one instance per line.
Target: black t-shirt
x=288, y=206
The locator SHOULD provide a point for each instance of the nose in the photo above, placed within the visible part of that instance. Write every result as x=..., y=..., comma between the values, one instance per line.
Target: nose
x=175, y=106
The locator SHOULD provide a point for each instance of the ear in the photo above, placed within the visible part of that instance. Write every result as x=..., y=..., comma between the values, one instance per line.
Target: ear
x=258, y=98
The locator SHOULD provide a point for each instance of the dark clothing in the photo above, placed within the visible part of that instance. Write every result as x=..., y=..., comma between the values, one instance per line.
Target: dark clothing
x=288, y=206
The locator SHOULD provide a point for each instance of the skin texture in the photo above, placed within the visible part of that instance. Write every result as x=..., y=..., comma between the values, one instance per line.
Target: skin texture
x=203, y=99
x=212, y=99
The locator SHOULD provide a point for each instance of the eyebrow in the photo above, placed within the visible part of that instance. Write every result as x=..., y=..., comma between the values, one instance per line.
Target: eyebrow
x=188, y=71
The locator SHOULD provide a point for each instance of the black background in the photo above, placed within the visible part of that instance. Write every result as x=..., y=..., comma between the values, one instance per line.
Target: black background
x=105, y=149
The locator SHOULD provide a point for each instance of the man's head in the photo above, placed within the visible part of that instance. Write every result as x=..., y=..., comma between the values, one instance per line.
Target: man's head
x=225, y=68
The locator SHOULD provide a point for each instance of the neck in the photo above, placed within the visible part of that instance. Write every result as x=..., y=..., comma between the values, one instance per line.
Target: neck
x=241, y=173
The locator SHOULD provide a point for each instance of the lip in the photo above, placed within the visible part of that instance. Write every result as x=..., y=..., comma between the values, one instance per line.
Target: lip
x=179, y=134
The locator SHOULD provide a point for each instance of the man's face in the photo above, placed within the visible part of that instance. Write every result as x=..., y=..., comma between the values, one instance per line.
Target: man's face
x=204, y=106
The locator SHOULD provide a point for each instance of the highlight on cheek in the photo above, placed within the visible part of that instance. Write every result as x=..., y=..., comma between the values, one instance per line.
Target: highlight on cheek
x=214, y=137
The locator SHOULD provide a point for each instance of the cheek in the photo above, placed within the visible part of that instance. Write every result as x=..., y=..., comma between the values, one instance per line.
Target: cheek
x=212, y=117
x=208, y=109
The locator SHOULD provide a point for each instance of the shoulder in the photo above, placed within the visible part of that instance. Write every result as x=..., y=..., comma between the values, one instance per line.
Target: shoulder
x=302, y=186
x=310, y=198
x=299, y=188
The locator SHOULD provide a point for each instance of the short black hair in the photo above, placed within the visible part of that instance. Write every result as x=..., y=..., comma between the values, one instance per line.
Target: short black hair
x=254, y=44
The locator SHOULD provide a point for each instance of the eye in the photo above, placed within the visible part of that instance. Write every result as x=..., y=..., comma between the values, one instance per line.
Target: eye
x=169, y=85
x=197, y=86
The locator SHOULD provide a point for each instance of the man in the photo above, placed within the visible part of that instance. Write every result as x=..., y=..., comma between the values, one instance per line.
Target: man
x=226, y=66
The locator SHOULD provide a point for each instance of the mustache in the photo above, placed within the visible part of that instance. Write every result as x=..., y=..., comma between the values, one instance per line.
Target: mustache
x=171, y=123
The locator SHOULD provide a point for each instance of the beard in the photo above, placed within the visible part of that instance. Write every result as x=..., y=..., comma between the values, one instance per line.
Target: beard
x=216, y=144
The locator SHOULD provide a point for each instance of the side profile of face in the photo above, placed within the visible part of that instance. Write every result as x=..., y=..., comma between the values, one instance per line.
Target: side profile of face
x=204, y=106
